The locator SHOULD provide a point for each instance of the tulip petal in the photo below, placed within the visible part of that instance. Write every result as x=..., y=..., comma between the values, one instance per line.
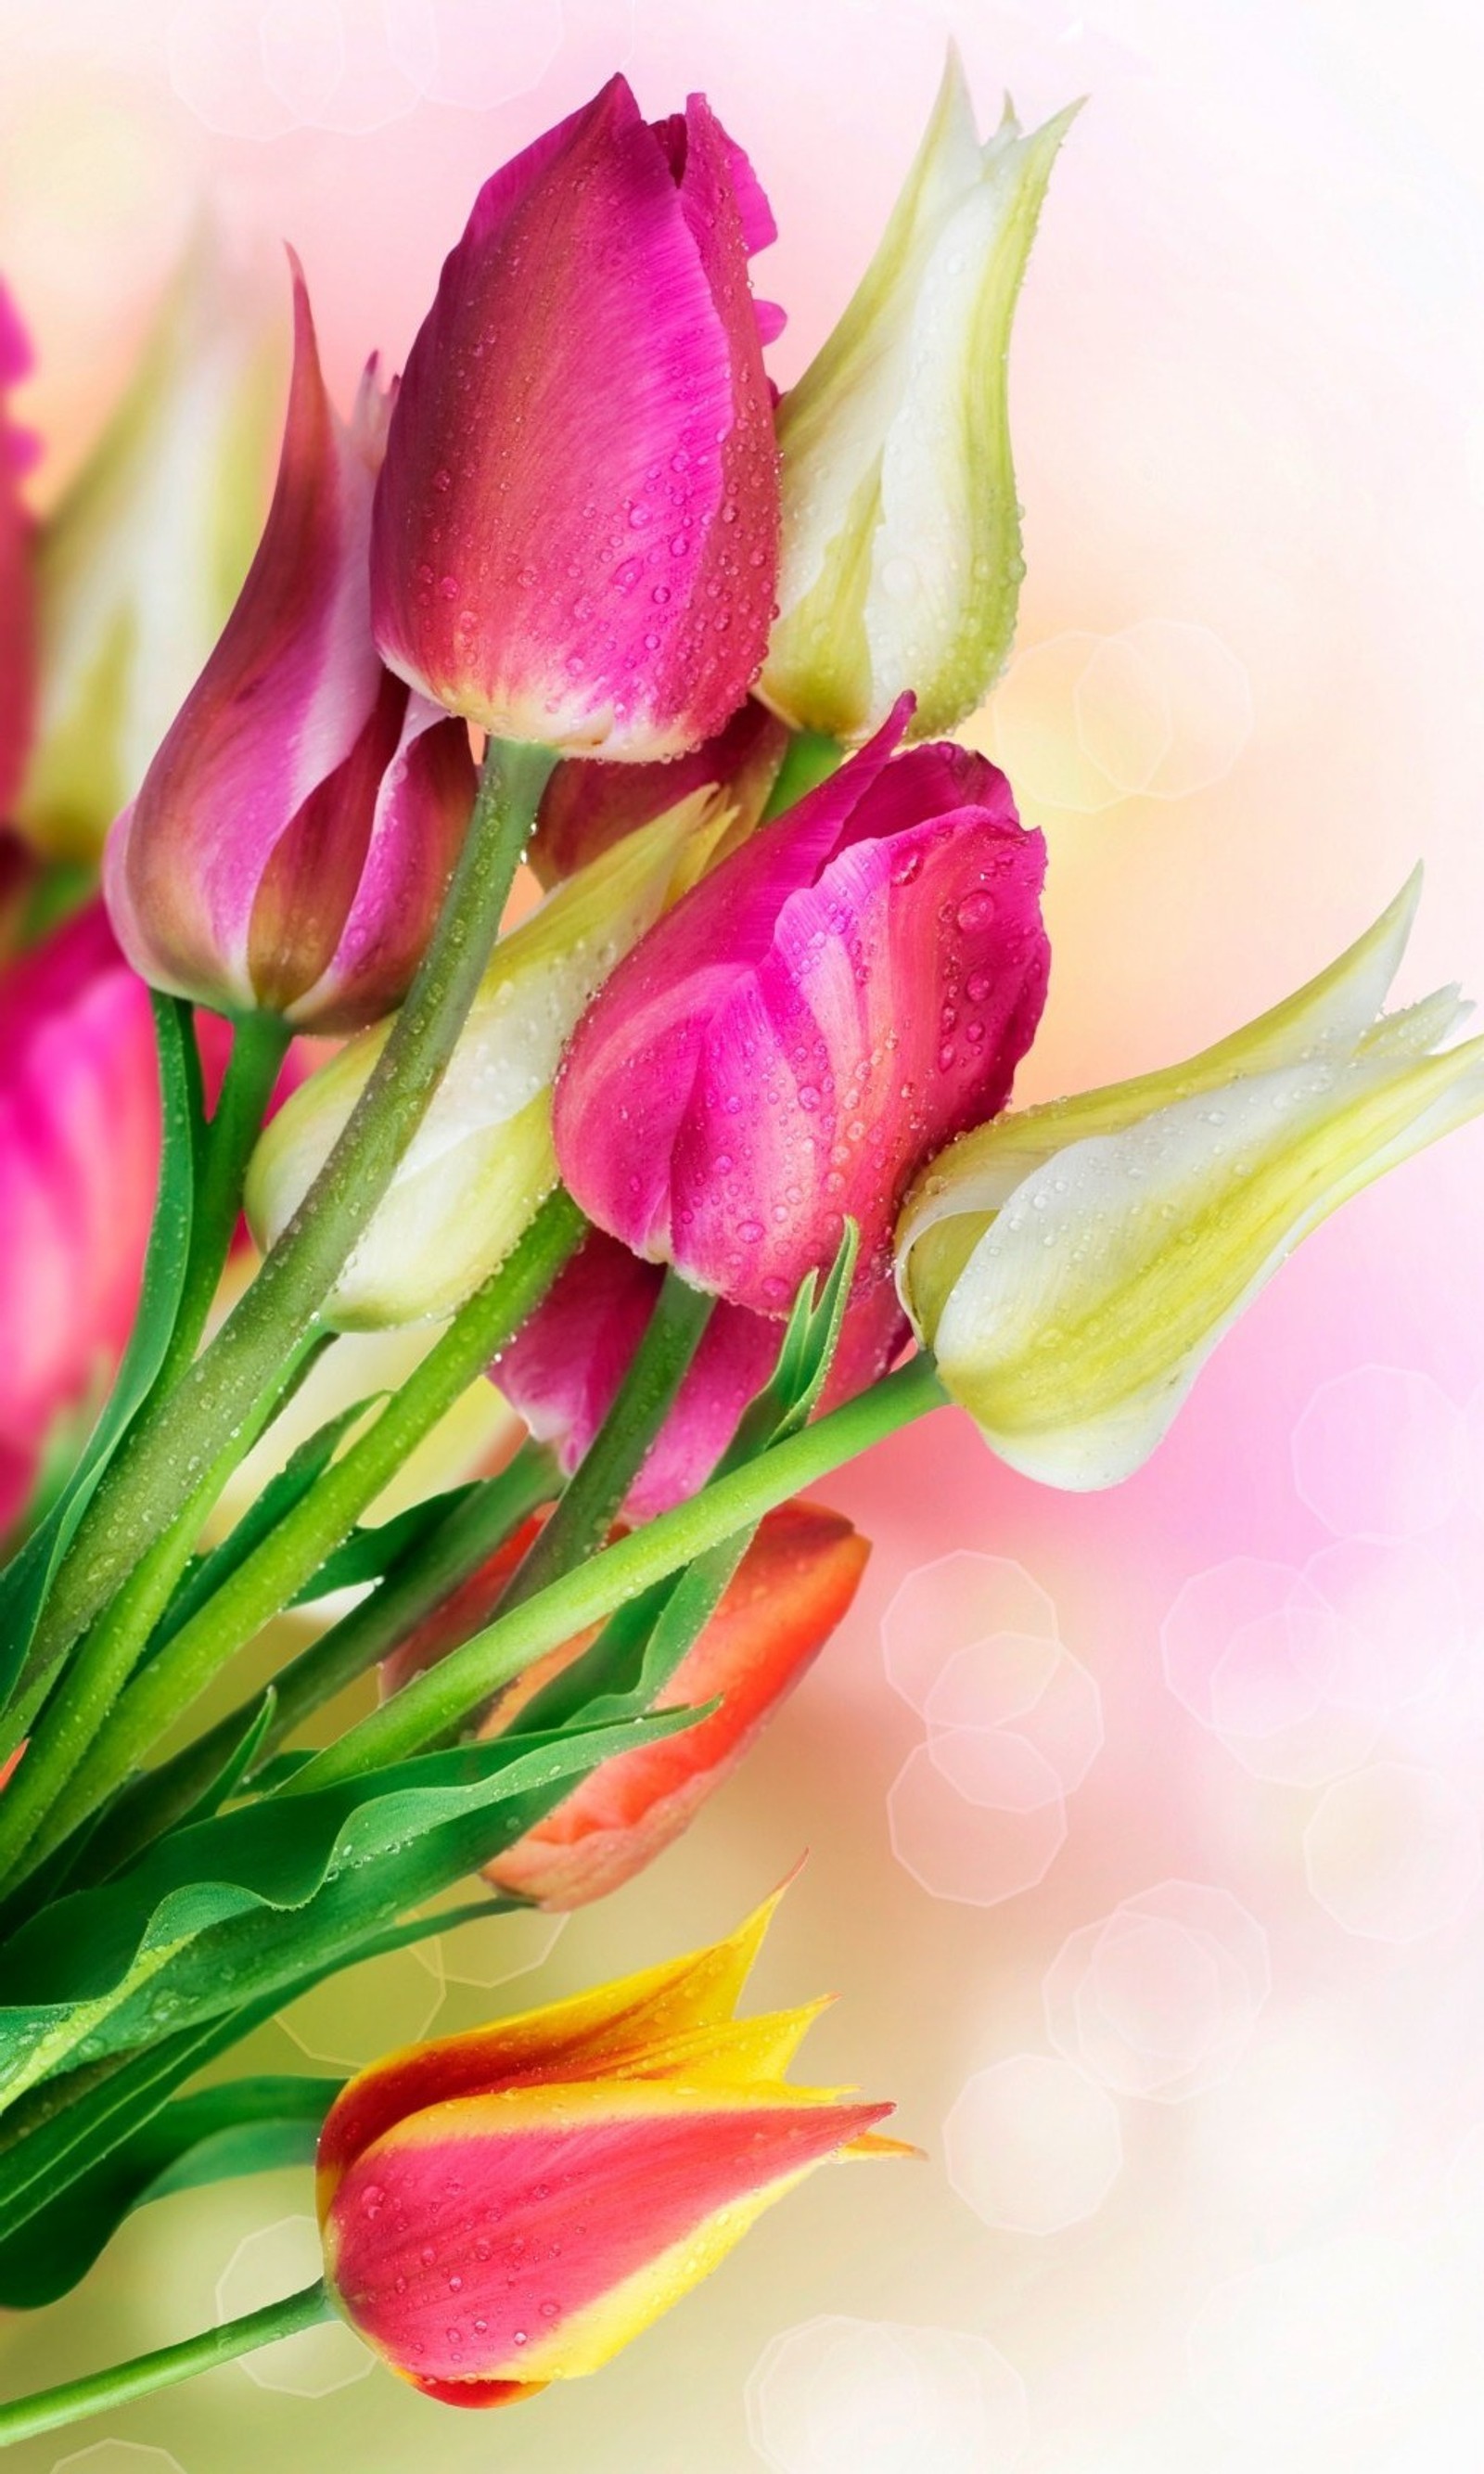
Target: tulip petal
x=586, y=805
x=590, y=2032
x=448, y=2255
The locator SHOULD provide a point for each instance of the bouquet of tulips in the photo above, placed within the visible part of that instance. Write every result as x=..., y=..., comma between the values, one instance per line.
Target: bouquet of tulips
x=705, y=1159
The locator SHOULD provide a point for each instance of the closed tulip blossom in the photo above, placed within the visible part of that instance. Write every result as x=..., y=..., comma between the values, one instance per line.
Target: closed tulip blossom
x=17, y=583
x=293, y=837
x=79, y=1154
x=1073, y=1267
x=815, y=1019
x=481, y=1160
x=791, y=1590
x=589, y=805
x=576, y=528
x=138, y=564
x=901, y=563
x=563, y=1370
x=513, y=2206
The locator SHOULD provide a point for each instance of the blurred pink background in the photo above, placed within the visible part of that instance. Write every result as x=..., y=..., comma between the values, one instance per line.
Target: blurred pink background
x=1205, y=2185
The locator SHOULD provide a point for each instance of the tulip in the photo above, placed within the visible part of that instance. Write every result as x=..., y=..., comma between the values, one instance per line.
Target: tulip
x=17, y=591
x=900, y=564
x=586, y=805
x=1072, y=1267
x=137, y=569
x=79, y=1156
x=563, y=1370
x=293, y=837
x=852, y=987
x=576, y=528
x=792, y=1588
x=481, y=1161
x=512, y=2206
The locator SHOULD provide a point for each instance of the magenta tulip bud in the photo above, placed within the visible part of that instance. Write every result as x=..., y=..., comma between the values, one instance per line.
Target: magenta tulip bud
x=810, y=1024
x=17, y=583
x=293, y=838
x=563, y=1370
x=576, y=528
x=588, y=806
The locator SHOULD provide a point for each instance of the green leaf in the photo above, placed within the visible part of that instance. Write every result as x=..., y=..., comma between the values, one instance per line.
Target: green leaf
x=368, y=1553
x=247, y=2126
x=25, y=1583
x=288, y=1486
x=62, y=2129
x=220, y=1913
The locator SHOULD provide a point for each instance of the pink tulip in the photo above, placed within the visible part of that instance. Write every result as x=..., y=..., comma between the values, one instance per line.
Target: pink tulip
x=293, y=837
x=816, y=1018
x=576, y=527
x=79, y=1155
x=588, y=806
x=564, y=1368
x=17, y=594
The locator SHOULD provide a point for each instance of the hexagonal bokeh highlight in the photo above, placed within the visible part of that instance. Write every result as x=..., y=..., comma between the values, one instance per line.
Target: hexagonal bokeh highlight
x=278, y=2260
x=1122, y=715
x=469, y=55
x=493, y=1950
x=1259, y=1655
x=1382, y=1452
x=365, y=2010
x=953, y=1604
x=976, y=1818
x=1207, y=694
x=1032, y=2145
x=1159, y=1998
x=1339, y=2333
x=1022, y=1688
x=1393, y=1852
x=872, y=2396
x=119, y=2456
x=1405, y=1617
x=1161, y=709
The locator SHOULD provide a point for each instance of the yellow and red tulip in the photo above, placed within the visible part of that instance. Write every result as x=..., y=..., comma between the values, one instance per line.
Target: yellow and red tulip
x=511, y=2207
x=576, y=527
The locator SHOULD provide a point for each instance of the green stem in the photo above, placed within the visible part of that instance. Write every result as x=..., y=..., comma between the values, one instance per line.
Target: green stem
x=459, y=1547
x=78, y=1713
x=258, y=1046
x=434, y=1704
x=811, y=759
x=293, y=1552
x=176, y=1435
x=52, y=2408
x=591, y=1501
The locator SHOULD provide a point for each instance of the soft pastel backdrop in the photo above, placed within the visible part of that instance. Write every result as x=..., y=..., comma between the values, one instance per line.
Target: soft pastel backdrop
x=1205, y=2189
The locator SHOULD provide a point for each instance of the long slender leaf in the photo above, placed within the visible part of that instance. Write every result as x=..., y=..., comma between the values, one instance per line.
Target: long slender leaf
x=25, y=1583
x=246, y=2125
x=371, y=1551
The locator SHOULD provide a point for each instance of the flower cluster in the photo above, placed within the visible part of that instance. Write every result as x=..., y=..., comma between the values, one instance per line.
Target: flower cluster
x=687, y=1143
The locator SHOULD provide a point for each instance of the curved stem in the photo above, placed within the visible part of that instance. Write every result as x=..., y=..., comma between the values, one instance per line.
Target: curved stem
x=177, y=1434
x=293, y=1552
x=52, y=2408
x=258, y=1046
x=443, y=1698
x=591, y=1501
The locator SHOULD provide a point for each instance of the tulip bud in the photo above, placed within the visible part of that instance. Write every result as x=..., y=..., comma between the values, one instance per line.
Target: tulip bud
x=563, y=1370
x=586, y=805
x=138, y=567
x=481, y=1161
x=809, y=1025
x=607, y=2152
x=79, y=1157
x=17, y=590
x=293, y=837
x=1073, y=1267
x=576, y=528
x=900, y=564
x=792, y=1588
